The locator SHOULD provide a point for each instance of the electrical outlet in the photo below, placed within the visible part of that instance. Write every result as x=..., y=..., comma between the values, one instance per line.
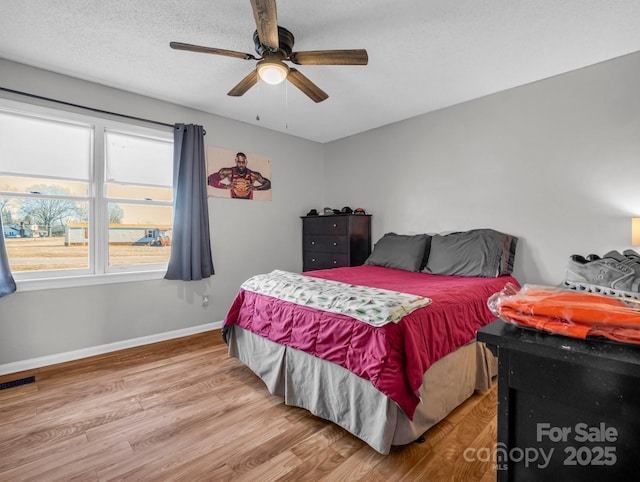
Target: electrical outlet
x=205, y=301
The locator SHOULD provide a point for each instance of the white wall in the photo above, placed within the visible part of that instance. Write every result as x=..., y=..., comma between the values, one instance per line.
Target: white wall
x=556, y=163
x=247, y=237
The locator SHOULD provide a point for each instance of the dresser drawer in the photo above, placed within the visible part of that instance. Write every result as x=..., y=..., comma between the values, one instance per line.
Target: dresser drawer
x=333, y=244
x=335, y=241
x=319, y=260
x=329, y=225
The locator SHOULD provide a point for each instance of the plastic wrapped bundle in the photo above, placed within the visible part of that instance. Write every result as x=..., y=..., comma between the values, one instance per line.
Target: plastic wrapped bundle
x=568, y=312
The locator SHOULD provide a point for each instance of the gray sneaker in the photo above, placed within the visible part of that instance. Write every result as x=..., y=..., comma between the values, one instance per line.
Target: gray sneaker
x=631, y=254
x=627, y=258
x=613, y=275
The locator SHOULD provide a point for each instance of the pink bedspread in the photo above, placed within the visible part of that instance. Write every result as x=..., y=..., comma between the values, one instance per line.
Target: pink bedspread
x=393, y=357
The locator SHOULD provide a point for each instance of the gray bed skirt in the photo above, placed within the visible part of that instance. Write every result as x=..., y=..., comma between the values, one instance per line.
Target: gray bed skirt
x=334, y=393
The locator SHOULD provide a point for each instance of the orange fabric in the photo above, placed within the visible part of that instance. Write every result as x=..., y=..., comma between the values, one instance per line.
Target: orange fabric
x=570, y=313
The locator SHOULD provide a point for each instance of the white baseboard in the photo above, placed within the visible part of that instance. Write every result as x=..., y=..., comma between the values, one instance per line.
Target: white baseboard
x=43, y=361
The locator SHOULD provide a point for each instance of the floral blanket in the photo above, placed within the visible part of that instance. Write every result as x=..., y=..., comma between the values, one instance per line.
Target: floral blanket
x=374, y=306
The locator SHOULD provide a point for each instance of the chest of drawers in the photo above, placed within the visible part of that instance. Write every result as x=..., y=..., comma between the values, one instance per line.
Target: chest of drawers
x=335, y=241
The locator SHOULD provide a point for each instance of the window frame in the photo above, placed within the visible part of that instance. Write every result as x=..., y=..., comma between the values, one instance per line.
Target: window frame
x=98, y=270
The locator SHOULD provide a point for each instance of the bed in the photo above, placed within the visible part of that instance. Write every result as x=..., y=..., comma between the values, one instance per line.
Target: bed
x=388, y=381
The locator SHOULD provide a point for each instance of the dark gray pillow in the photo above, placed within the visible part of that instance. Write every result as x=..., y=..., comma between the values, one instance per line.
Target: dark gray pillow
x=479, y=252
x=399, y=251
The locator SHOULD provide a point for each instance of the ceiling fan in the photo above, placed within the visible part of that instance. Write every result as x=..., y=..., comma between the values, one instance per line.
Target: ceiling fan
x=274, y=45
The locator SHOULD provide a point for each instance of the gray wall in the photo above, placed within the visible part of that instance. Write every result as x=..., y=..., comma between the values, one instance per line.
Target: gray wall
x=247, y=237
x=556, y=162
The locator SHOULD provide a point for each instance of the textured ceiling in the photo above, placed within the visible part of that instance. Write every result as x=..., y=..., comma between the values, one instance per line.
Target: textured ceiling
x=423, y=54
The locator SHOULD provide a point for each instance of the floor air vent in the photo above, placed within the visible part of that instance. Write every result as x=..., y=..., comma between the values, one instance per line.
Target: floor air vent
x=17, y=383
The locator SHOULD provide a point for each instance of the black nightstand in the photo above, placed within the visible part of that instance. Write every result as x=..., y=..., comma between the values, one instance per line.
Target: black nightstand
x=333, y=241
x=579, y=399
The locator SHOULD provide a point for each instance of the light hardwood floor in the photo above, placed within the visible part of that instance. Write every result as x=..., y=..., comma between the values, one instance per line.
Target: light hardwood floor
x=184, y=410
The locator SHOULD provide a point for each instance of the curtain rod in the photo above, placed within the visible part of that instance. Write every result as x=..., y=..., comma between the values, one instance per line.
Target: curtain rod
x=93, y=109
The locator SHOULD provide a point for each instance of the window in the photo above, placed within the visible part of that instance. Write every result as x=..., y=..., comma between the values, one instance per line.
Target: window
x=83, y=200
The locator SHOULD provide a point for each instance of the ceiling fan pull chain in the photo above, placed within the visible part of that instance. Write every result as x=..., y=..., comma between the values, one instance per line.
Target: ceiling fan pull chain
x=259, y=97
x=286, y=106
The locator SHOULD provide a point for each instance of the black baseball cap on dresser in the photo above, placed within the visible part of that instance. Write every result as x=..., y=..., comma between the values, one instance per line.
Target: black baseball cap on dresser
x=313, y=212
x=346, y=210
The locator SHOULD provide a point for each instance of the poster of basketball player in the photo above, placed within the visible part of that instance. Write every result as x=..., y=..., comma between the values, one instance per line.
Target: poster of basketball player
x=238, y=175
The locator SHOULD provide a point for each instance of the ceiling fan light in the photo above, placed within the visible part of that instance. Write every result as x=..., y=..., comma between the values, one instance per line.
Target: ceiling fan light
x=272, y=72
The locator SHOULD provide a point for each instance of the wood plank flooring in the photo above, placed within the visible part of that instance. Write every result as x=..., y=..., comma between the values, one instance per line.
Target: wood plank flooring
x=184, y=410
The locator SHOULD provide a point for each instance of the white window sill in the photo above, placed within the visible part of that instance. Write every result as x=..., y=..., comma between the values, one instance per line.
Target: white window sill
x=88, y=280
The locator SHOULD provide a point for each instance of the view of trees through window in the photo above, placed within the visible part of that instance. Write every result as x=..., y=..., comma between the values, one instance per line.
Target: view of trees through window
x=48, y=233
x=66, y=205
x=34, y=226
x=50, y=215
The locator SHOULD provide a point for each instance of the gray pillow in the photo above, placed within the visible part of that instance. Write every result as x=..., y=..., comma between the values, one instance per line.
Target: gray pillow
x=479, y=252
x=399, y=251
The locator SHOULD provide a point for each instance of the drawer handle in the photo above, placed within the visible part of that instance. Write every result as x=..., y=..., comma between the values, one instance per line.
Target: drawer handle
x=335, y=261
x=335, y=225
x=335, y=244
x=313, y=260
x=313, y=242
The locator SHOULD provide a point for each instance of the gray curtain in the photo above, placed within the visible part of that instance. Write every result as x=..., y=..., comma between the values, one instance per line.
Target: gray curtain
x=7, y=284
x=191, y=244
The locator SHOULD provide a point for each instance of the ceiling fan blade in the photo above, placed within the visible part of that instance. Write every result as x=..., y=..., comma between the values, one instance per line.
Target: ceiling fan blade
x=265, y=15
x=211, y=50
x=244, y=85
x=310, y=89
x=330, y=57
